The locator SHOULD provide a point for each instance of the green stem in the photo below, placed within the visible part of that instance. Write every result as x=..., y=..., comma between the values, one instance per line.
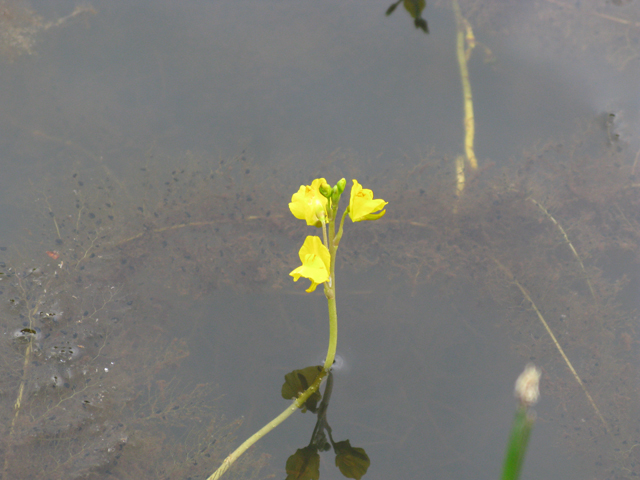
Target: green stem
x=333, y=334
x=324, y=234
x=338, y=237
x=330, y=293
x=297, y=403
x=517, y=446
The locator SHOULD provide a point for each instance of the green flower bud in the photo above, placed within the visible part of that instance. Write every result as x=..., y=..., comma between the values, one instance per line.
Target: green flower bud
x=342, y=183
x=335, y=195
x=325, y=190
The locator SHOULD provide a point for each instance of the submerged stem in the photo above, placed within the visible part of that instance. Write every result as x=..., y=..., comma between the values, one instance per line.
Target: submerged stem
x=526, y=295
x=566, y=239
x=463, y=57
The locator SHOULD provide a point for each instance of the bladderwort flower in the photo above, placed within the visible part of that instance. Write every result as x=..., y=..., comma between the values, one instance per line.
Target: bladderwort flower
x=316, y=262
x=318, y=204
x=309, y=204
x=362, y=205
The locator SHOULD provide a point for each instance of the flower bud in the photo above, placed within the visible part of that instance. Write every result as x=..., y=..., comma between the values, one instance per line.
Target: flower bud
x=335, y=195
x=325, y=190
x=342, y=183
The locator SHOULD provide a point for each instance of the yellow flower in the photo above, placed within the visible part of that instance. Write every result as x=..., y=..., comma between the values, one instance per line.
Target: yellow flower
x=316, y=261
x=309, y=204
x=362, y=205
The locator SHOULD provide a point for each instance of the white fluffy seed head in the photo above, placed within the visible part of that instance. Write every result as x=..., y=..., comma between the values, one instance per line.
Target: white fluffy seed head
x=527, y=386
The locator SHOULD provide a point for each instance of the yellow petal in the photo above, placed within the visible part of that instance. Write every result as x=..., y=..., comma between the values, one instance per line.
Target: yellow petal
x=316, y=261
x=304, y=203
x=298, y=203
x=313, y=245
x=362, y=205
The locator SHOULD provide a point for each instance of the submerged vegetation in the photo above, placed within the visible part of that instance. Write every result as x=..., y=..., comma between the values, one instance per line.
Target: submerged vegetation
x=88, y=378
x=91, y=346
x=20, y=27
x=86, y=373
x=318, y=204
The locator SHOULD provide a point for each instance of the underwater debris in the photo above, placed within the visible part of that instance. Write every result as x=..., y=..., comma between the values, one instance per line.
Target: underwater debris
x=215, y=224
x=20, y=26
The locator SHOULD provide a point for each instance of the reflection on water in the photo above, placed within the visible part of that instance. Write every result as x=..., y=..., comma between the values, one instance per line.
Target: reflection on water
x=145, y=287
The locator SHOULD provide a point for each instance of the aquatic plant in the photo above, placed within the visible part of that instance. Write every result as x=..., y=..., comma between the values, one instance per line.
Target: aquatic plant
x=527, y=392
x=501, y=249
x=318, y=204
x=87, y=383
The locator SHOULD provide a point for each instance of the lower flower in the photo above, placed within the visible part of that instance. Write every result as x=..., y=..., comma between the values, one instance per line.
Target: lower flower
x=316, y=262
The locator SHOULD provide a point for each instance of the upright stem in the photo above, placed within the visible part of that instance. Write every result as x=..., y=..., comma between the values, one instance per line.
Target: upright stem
x=333, y=334
x=330, y=293
x=463, y=57
x=517, y=446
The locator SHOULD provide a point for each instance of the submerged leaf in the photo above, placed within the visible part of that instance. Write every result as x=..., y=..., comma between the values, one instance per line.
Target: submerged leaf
x=392, y=8
x=296, y=382
x=353, y=462
x=304, y=464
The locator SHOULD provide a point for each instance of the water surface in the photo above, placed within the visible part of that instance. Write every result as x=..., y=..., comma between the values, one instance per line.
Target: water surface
x=151, y=148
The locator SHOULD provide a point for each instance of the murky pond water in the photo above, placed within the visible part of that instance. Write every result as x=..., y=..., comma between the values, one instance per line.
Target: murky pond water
x=149, y=151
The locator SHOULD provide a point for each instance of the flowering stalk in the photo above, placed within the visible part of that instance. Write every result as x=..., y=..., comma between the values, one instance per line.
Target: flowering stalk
x=330, y=291
x=527, y=392
x=317, y=204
